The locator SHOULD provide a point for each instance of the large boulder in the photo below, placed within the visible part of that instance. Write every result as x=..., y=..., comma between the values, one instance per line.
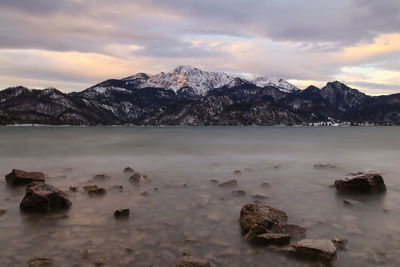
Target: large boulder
x=44, y=198
x=361, y=182
x=316, y=249
x=263, y=215
x=189, y=261
x=20, y=177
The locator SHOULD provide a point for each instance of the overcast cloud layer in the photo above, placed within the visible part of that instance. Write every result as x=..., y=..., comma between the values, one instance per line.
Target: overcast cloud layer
x=73, y=44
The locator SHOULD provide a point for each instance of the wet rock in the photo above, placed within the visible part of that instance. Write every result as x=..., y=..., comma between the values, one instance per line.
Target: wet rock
x=101, y=261
x=144, y=193
x=128, y=170
x=352, y=203
x=89, y=187
x=230, y=183
x=239, y=193
x=263, y=215
x=73, y=189
x=237, y=172
x=99, y=191
x=295, y=231
x=265, y=185
x=316, y=249
x=84, y=253
x=122, y=213
x=101, y=177
x=44, y=198
x=2, y=212
x=214, y=181
x=189, y=261
x=361, y=182
x=324, y=166
x=20, y=177
x=139, y=179
x=32, y=184
x=41, y=262
x=267, y=239
x=255, y=230
x=339, y=242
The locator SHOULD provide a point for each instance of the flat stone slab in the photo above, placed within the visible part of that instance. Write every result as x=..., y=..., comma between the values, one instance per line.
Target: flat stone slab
x=316, y=249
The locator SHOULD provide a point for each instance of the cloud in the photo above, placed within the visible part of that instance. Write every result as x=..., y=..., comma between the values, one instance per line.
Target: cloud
x=79, y=43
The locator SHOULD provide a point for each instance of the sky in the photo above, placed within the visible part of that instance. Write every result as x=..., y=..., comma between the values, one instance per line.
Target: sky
x=74, y=44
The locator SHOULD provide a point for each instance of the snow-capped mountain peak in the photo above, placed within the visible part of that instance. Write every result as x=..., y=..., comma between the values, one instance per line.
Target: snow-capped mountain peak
x=281, y=84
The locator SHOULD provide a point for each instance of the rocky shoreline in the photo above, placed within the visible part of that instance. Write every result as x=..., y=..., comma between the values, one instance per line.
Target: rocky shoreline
x=261, y=225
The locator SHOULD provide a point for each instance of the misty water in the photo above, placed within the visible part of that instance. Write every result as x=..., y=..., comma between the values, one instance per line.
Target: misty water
x=187, y=213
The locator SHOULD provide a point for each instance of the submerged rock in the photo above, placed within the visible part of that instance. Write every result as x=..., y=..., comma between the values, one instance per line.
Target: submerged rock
x=189, y=261
x=230, y=183
x=20, y=177
x=73, y=189
x=214, y=181
x=2, y=212
x=237, y=172
x=41, y=262
x=122, y=213
x=361, y=182
x=101, y=177
x=324, y=166
x=316, y=249
x=265, y=185
x=239, y=193
x=267, y=239
x=138, y=179
x=128, y=170
x=119, y=188
x=89, y=187
x=44, y=198
x=98, y=191
x=263, y=215
x=259, y=197
x=340, y=242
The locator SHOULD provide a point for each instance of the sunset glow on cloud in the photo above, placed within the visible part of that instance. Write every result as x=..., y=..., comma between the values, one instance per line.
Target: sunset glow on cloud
x=71, y=44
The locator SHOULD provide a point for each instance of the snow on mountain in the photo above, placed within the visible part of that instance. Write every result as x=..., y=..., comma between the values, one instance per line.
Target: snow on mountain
x=281, y=84
x=200, y=81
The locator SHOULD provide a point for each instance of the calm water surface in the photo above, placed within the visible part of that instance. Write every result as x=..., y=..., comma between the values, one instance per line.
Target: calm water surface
x=200, y=218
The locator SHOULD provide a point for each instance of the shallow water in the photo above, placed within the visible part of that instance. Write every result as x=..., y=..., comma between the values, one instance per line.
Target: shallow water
x=188, y=213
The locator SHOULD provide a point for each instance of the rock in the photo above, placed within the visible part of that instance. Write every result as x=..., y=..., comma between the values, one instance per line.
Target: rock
x=267, y=239
x=73, y=189
x=89, y=187
x=277, y=166
x=237, y=172
x=19, y=177
x=214, y=181
x=44, y=198
x=41, y=262
x=84, y=253
x=324, y=166
x=265, y=185
x=316, y=249
x=361, y=182
x=353, y=203
x=144, y=193
x=99, y=191
x=2, y=212
x=129, y=170
x=230, y=183
x=32, y=184
x=101, y=261
x=263, y=215
x=122, y=213
x=101, y=177
x=255, y=230
x=339, y=242
x=239, y=193
x=139, y=179
x=189, y=261
x=295, y=231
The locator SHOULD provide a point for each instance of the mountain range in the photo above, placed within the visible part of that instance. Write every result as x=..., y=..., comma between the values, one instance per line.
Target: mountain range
x=190, y=96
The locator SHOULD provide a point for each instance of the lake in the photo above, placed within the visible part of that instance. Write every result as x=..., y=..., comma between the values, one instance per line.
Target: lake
x=183, y=211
